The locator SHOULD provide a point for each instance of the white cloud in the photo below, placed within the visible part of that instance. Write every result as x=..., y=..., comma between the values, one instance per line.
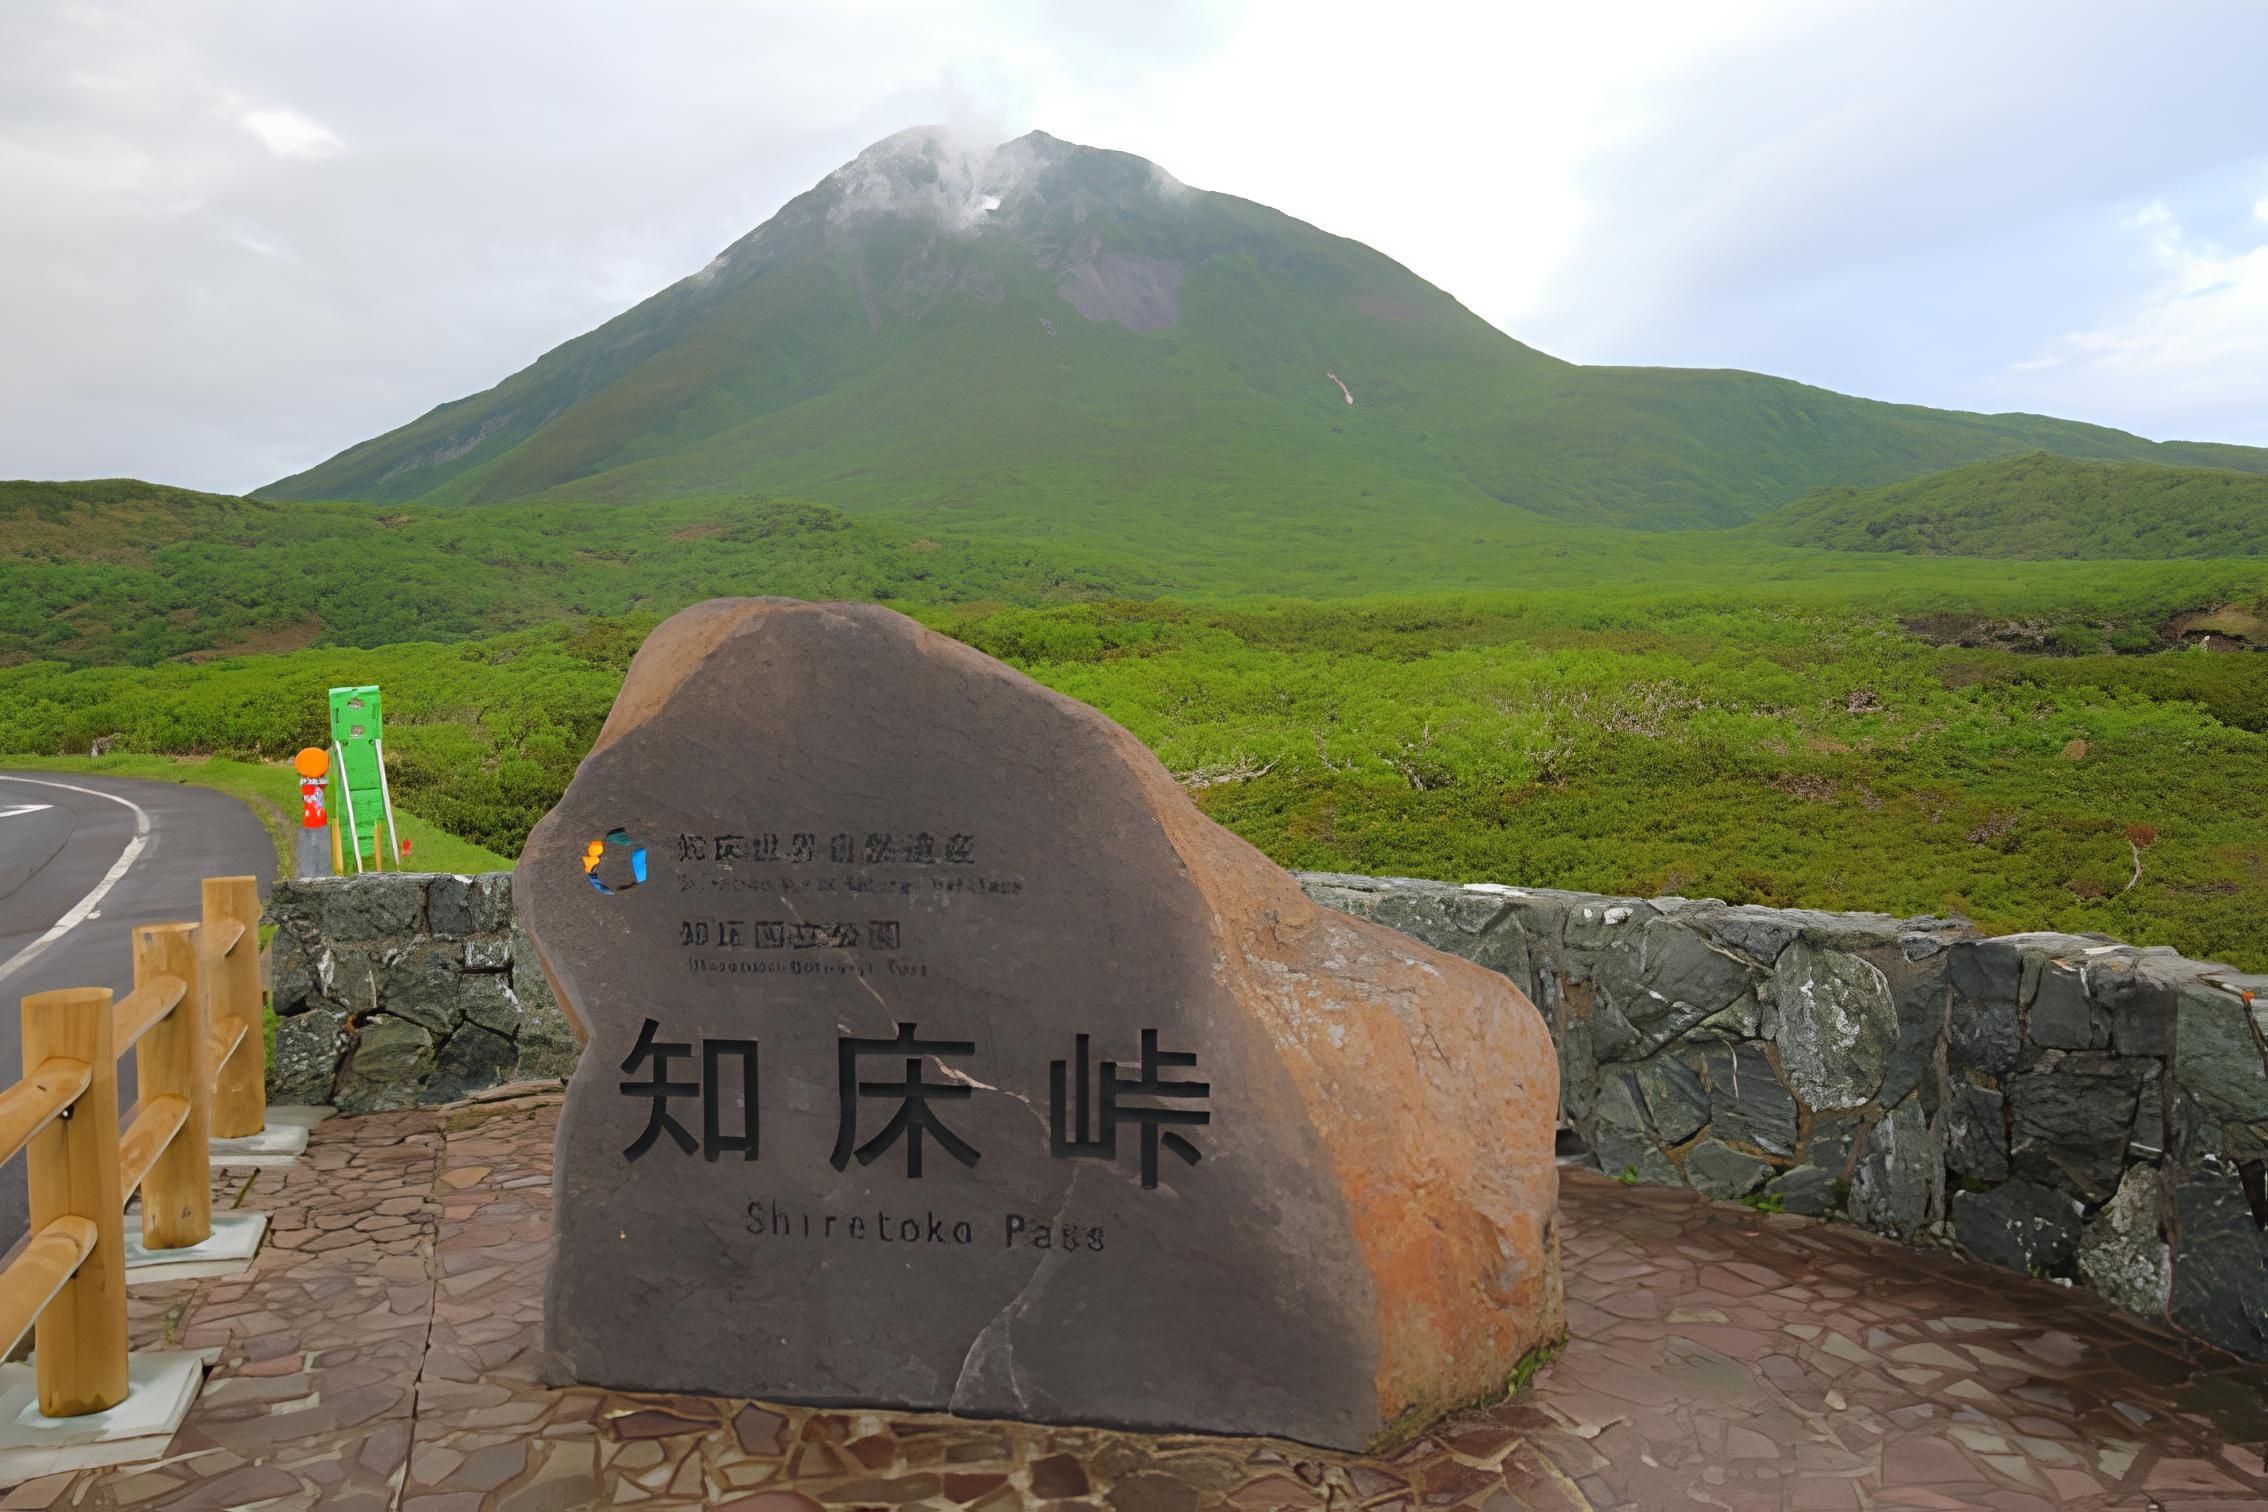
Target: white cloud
x=288, y=134
x=2193, y=343
x=1896, y=200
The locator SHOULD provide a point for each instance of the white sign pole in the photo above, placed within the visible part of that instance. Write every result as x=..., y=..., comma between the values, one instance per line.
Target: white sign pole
x=346, y=791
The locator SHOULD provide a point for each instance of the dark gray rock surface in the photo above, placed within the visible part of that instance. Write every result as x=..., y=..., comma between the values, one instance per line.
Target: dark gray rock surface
x=388, y=1067
x=2220, y=1279
x=2021, y=1226
x=2069, y=1119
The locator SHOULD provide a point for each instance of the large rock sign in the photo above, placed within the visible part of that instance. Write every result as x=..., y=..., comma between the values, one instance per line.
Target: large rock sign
x=940, y=1054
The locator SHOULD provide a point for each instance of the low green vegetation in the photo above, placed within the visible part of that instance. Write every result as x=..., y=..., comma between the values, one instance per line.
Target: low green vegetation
x=1525, y=1368
x=116, y=571
x=122, y=571
x=1786, y=749
x=2038, y=506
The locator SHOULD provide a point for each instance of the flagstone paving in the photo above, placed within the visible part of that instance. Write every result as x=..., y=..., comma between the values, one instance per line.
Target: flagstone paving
x=383, y=1354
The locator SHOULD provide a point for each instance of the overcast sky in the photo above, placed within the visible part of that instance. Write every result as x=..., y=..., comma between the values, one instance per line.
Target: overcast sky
x=237, y=237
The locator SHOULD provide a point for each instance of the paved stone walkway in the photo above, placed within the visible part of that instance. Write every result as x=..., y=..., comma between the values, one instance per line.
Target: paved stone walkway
x=382, y=1355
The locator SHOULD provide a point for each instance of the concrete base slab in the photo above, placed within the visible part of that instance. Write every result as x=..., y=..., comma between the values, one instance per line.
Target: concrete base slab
x=229, y=1249
x=159, y=1389
x=283, y=1140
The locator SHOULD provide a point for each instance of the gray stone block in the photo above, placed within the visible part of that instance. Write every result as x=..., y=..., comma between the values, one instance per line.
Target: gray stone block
x=2122, y=1254
x=1806, y=1189
x=1748, y=1103
x=1504, y=949
x=376, y=905
x=2147, y=1139
x=2220, y=1271
x=2069, y=1118
x=1596, y=925
x=1447, y=918
x=485, y=999
x=1719, y=1170
x=473, y=1058
x=421, y=983
x=305, y=1068
x=1578, y=1056
x=1666, y=970
x=1890, y=1189
x=2062, y=1015
x=448, y=906
x=1834, y=1143
x=488, y=953
x=1677, y=1104
x=546, y=1044
x=491, y=902
x=1757, y=933
x=347, y=976
x=291, y=961
x=2218, y=1057
x=1838, y=1021
x=1918, y=988
x=1542, y=915
x=1848, y=932
x=2019, y=1226
x=1614, y=1112
x=1976, y=1133
x=388, y=1068
x=288, y=898
x=1619, y=1154
x=2137, y=989
x=529, y=984
x=1983, y=1035
x=1985, y=971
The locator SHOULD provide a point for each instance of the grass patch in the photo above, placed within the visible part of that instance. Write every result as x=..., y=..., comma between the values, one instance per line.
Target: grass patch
x=1531, y=1362
x=1779, y=748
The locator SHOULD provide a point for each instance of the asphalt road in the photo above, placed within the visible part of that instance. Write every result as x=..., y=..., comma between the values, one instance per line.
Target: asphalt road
x=84, y=859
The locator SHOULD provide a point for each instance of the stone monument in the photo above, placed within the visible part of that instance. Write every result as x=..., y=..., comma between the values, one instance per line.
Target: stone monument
x=939, y=1054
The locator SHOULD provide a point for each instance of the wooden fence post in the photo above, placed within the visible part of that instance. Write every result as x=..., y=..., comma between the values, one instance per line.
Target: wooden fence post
x=240, y=1090
x=71, y=1168
x=177, y=1195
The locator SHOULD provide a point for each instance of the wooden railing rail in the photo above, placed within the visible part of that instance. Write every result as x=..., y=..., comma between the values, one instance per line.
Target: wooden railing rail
x=147, y=1138
x=227, y=937
x=51, y=1258
x=28, y=1106
x=193, y=1021
x=134, y=1014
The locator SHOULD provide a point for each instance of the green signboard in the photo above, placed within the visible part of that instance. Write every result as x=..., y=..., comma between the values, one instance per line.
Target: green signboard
x=360, y=797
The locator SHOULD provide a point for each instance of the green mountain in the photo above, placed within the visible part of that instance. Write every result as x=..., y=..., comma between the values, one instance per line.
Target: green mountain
x=1051, y=340
x=2038, y=507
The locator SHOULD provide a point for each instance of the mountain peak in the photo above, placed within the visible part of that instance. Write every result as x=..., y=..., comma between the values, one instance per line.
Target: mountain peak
x=1013, y=325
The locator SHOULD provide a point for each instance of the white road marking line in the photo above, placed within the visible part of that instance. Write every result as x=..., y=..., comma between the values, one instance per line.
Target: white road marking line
x=11, y=810
x=85, y=907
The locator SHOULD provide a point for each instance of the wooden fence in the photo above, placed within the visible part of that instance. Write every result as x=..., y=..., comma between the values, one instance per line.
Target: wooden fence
x=194, y=1016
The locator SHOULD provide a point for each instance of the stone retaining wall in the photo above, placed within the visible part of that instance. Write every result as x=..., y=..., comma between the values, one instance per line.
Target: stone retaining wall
x=2062, y=1105
x=399, y=988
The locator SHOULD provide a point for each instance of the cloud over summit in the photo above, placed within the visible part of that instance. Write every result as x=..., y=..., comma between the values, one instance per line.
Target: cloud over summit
x=242, y=236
